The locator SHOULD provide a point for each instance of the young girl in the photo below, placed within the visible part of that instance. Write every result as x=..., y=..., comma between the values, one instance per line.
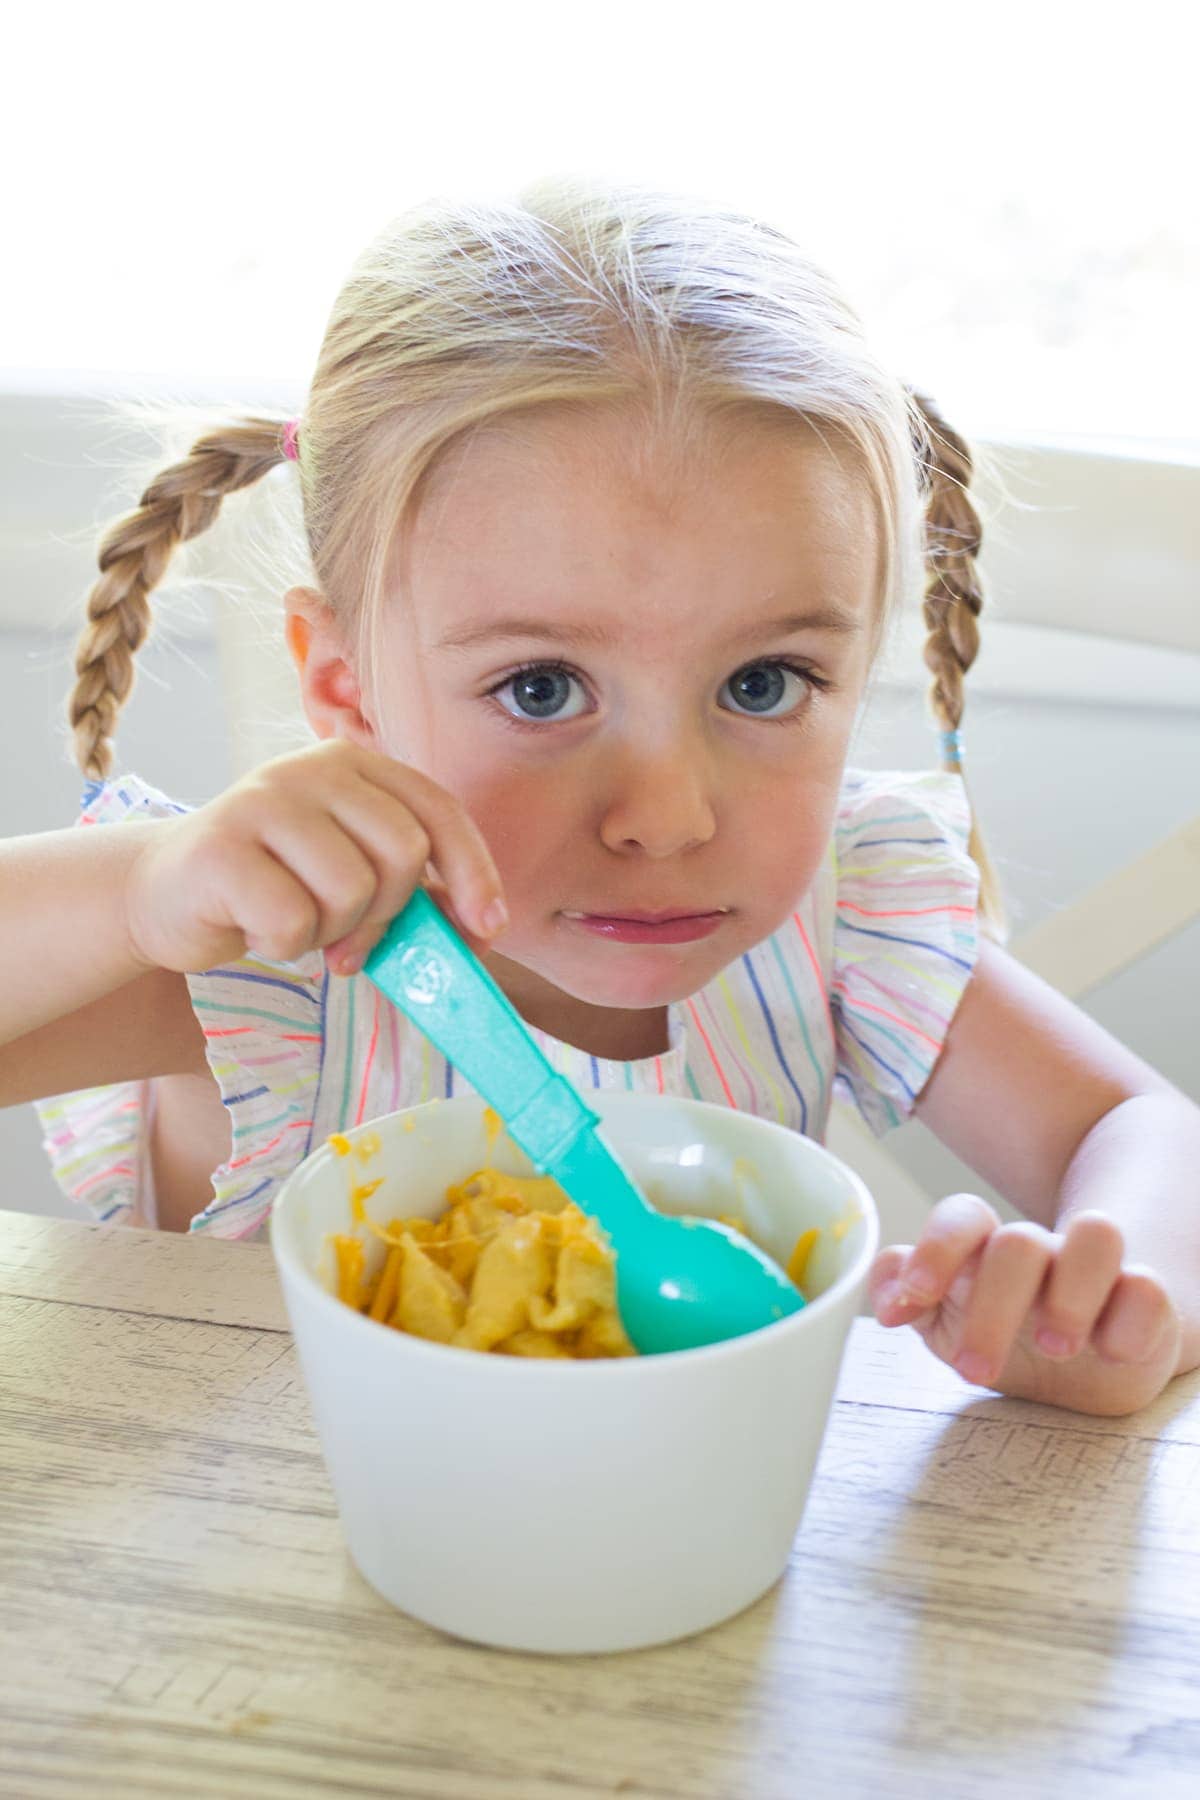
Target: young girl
x=609, y=507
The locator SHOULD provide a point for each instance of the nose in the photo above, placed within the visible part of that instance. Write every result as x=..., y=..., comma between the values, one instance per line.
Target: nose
x=659, y=801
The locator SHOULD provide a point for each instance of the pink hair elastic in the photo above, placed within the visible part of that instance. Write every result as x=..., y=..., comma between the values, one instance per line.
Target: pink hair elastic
x=290, y=447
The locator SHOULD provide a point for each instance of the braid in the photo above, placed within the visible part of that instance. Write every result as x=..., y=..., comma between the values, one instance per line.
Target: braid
x=181, y=501
x=953, y=597
x=952, y=604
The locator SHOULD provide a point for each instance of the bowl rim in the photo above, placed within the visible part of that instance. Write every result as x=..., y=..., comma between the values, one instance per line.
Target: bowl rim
x=288, y=1260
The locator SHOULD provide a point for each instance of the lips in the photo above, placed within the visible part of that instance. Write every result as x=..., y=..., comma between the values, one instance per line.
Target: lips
x=629, y=916
x=673, y=926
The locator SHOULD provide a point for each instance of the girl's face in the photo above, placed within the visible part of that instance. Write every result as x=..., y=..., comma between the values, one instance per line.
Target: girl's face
x=641, y=683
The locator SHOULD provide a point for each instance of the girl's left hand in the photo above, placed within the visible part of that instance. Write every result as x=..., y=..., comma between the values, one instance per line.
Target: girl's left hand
x=1045, y=1315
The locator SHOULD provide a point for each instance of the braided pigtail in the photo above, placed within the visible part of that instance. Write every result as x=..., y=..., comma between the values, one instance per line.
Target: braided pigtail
x=953, y=599
x=181, y=501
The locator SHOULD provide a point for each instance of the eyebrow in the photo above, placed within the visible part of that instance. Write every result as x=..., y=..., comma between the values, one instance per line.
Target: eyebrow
x=822, y=618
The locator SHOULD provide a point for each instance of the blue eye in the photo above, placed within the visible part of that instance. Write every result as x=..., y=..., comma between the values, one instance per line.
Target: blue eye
x=761, y=688
x=541, y=691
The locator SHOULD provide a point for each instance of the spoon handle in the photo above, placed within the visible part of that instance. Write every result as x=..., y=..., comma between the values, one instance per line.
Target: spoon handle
x=423, y=966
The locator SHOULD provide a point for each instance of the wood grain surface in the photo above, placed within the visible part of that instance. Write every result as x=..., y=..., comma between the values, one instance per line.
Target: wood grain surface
x=986, y=1597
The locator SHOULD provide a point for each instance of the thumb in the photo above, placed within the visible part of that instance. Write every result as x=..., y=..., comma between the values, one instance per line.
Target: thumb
x=886, y=1304
x=884, y=1271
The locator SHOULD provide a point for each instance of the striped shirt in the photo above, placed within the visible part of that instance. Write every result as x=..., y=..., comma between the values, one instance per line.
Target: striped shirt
x=853, y=996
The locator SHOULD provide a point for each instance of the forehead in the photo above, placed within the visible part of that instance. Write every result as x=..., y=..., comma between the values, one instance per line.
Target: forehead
x=564, y=506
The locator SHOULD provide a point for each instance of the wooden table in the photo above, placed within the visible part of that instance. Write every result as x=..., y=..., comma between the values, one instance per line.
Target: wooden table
x=986, y=1597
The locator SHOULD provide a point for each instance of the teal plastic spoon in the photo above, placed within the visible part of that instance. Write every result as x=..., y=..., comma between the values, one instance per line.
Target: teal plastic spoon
x=681, y=1282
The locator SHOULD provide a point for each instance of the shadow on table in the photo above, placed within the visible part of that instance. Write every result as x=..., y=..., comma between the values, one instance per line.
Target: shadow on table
x=1016, y=1565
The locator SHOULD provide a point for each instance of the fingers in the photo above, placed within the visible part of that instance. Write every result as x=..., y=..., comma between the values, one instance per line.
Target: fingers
x=919, y=1281
x=1011, y=1272
x=440, y=895
x=883, y=1281
x=457, y=847
x=275, y=915
x=358, y=831
x=979, y=1285
x=346, y=883
x=1079, y=1284
x=1137, y=1318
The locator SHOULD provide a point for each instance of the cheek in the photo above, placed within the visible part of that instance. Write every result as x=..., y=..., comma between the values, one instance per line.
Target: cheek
x=530, y=823
x=777, y=843
x=444, y=743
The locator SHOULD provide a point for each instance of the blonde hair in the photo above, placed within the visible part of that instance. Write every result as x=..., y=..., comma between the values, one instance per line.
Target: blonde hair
x=574, y=295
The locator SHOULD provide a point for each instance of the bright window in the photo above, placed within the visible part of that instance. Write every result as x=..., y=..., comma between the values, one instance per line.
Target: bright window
x=1006, y=191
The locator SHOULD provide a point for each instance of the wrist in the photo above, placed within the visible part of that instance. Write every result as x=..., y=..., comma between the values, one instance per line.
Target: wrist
x=136, y=920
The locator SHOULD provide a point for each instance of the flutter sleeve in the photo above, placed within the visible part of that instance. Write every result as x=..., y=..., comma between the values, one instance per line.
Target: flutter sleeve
x=264, y=1035
x=94, y=1138
x=906, y=934
x=263, y=1026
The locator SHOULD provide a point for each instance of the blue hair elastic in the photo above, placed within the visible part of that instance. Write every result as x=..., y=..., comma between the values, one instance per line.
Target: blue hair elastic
x=952, y=744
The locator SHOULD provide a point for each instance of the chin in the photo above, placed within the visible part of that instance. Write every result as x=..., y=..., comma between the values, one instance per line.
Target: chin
x=633, y=977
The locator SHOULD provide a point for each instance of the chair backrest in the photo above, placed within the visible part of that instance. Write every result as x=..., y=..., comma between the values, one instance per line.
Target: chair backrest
x=1103, y=544
x=1095, y=541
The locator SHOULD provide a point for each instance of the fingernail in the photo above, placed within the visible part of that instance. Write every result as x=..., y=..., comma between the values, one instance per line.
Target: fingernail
x=494, y=917
x=889, y=1295
x=1160, y=1336
x=349, y=962
x=919, y=1283
x=974, y=1367
x=1053, y=1343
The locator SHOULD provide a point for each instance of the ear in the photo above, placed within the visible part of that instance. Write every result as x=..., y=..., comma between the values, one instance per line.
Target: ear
x=329, y=686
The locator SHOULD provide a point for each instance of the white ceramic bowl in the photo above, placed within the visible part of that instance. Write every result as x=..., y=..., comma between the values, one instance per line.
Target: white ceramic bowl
x=576, y=1506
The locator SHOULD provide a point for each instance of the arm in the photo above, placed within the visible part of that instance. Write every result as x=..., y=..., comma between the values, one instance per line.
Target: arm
x=1102, y=1153
x=64, y=937
x=78, y=1007
x=315, y=850
x=144, y=1029
x=1140, y=1166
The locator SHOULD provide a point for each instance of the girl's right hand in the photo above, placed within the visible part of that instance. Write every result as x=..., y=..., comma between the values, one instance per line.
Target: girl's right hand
x=316, y=850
